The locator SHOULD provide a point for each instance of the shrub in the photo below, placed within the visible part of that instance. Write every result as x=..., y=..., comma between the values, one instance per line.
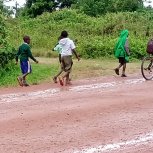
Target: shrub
x=96, y=35
x=6, y=51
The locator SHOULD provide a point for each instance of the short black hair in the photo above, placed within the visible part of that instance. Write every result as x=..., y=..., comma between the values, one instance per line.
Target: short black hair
x=64, y=34
x=25, y=38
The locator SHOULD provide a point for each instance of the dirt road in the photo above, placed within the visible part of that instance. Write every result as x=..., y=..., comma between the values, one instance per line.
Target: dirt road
x=109, y=114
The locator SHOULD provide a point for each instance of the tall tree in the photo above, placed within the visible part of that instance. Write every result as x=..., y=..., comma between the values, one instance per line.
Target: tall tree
x=66, y=3
x=98, y=7
x=95, y=7
x=3, y=42
x=127, y=5
x=37, y=7
x=5, y=10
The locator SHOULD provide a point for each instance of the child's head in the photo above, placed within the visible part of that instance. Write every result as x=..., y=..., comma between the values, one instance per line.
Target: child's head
x=26, y=39
x=64, y=34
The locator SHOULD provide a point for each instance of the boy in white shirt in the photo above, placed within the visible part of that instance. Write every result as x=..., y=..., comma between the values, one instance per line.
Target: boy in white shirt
x=68, y=48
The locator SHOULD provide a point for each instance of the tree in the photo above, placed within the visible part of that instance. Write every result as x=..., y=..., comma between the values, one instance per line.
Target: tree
x=37, y=7
x=99, y=7
x=66, y=3
x=95, y=7
x=3, y=42
x=127, y=5
x=5, y=10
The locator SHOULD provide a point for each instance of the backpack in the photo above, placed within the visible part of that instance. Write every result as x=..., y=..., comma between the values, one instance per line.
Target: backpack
x=150, y=46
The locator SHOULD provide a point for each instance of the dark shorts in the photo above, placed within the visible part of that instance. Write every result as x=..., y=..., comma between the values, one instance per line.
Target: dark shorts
x=66, y=63
x=25, y=67
x=122, y=60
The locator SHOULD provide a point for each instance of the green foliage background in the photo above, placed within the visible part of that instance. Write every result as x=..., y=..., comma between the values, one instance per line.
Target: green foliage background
x=94, y=8
x=6, y=51
x=96, y=35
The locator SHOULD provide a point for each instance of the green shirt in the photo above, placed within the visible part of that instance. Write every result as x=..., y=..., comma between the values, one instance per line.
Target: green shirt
x=24, y=53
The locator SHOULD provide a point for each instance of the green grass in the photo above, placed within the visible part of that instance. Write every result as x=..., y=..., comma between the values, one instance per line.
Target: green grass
x=40, y=73
x=48, y=67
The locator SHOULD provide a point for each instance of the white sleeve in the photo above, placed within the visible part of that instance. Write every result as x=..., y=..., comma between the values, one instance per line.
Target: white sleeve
x=72, y=45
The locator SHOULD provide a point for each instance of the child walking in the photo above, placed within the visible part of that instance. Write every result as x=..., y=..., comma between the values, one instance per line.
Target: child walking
x=68, y=49
x=122, y=52
x=24, y=53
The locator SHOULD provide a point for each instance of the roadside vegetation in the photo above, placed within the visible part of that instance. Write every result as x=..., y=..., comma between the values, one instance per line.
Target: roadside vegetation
x=95, y=36
x=93, y=25
x=48, y=67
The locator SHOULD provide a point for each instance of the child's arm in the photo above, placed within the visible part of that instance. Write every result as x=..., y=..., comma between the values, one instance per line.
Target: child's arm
x=31, y=56
x=75, y=53
x=17, y=55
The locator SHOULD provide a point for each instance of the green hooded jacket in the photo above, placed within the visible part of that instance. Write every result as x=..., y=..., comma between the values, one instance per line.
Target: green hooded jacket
x=120, y=46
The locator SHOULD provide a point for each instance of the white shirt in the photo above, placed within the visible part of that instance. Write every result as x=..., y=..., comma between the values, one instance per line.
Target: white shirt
x=67, y=46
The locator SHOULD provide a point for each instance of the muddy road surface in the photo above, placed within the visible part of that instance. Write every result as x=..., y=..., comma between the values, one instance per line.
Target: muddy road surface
x=108, y=114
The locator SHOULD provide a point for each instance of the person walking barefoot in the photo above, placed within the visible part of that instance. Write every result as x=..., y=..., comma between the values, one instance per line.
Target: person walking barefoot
x=68, y=49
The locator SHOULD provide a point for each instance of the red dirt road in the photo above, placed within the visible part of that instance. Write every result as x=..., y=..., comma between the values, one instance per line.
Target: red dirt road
x=110, y=114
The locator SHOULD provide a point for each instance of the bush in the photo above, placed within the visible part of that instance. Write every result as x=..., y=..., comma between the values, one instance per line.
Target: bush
x=96, y=36
x=6, y=51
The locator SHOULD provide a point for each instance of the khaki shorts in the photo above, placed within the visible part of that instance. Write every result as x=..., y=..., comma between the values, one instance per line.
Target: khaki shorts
x=66, y=63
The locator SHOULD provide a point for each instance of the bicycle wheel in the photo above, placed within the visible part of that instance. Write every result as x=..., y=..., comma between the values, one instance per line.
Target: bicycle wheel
x=147, y=68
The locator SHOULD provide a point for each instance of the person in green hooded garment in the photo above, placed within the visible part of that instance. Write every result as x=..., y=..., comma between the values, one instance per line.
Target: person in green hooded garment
x=122, y=52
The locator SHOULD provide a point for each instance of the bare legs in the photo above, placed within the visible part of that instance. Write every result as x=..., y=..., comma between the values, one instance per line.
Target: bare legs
x=22, y=80
x=67, y=78
x=123, y=71
x=55, y=77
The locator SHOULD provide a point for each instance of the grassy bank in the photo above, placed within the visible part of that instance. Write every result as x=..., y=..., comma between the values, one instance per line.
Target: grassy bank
x=48, y=67
x=96, y=36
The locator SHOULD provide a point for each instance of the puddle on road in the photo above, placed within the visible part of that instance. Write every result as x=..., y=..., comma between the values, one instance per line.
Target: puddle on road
x=105, y=85
x=93, y=86
x=27, y=96
x=134, y=81
x=49, y=92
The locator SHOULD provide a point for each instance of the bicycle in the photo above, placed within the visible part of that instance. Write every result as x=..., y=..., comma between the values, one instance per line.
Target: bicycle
x=147, y=67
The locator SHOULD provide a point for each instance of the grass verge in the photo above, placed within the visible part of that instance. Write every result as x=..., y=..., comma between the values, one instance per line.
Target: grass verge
x=48, y=67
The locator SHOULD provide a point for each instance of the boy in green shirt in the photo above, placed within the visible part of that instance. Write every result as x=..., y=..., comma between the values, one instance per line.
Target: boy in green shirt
x=24, y=53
